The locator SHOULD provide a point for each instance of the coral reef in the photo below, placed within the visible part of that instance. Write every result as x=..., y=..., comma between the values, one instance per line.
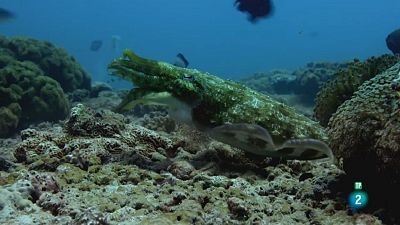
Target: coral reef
x=33, y=78
x=9, y=119
x=53, y=61
x=346, y=82
x=5, y=164
x=137, y=176
x=101, y=167
x=364, y=133
x=42, y=183
x=19, y=198
x=158, y=121
x=216, y=101
x=85, y=121
x=27, y=95
x=15, y=199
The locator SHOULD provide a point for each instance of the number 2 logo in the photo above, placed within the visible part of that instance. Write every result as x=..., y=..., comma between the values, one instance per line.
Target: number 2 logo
x=358, y=200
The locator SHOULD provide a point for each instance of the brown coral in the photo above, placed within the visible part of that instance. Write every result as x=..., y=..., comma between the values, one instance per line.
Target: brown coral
x=364, y=134
x=345, y=82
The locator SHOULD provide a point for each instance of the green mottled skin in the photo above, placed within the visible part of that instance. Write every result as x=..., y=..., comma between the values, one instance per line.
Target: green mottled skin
x=216, y=101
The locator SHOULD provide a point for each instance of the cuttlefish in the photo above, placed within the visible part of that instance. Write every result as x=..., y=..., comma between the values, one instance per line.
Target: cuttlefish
x=229, y=112
x=250, y=138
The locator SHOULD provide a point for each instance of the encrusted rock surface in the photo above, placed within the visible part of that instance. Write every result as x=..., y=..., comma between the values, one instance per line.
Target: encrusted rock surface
x=139, y=176
x=361, y=125
x=346, y=82
x=364, y=135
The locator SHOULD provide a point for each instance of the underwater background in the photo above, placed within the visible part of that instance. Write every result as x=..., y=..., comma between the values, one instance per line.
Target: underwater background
x=199, y=112
x=211, y=34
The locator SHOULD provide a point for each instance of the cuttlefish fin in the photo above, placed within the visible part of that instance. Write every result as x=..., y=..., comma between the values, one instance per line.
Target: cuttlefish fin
x=305, y=149
x=247, y=137
x=255, y=139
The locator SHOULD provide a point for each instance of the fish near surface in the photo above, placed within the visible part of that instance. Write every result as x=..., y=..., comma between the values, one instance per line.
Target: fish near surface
x=393, y=41
x=218, y=103
x=255, y=9
x=96, y=45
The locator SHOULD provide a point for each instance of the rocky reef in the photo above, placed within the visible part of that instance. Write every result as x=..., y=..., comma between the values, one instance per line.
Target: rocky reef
x=99, y=168
x=54, y=62
x=34, y=77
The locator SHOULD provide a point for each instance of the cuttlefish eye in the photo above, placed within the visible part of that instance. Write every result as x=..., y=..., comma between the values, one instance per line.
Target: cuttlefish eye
x=187, y=77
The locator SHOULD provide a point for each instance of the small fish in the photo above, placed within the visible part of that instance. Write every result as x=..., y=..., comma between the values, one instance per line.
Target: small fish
x=181, y=61
x=6, y=15
x=256, y=9
x=393, y=41
x=96, y=45
x=255, y=139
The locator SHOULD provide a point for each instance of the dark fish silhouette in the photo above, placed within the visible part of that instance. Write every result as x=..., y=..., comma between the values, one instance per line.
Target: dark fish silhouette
x=96, y=45
x=181, y=61
x=6, y=15
x=256, y=9
x=393, y=41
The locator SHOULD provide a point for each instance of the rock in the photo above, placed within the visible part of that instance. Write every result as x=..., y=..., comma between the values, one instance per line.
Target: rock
x=84, y=121
x=181, y=169
x=98, y=87
x=5, y=164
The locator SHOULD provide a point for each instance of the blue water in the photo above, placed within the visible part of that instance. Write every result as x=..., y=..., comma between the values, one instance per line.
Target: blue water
x=212, y=34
